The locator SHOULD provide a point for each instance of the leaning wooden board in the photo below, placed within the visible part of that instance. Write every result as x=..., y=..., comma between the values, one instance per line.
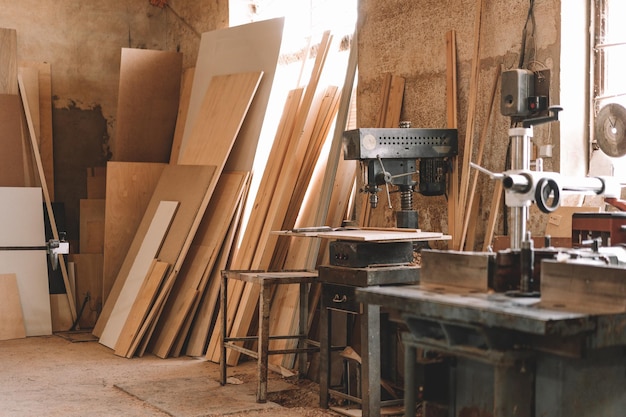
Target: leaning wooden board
x=147, y=105
x=8, y=61
x=244, y=48
x=12, y=170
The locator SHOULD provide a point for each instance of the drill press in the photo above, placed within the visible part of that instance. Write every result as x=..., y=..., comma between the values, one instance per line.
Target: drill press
x=392, y=156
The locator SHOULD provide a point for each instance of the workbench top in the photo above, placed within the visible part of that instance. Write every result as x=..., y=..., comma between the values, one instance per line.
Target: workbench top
x=494, y=310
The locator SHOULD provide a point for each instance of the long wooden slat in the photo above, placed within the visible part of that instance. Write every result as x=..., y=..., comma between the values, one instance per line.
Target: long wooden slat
x=46, y=195
x=46, y=147
x=141, y=307
x=493, y=215
x=452, y=123
x=147, y=105
x=129, y=188
x=141, y=264
x=250, y=47
x=468, y=144
x=479, y=159
x=11, y=316
x=8, y=61
x=190, y=186
x=202, y=256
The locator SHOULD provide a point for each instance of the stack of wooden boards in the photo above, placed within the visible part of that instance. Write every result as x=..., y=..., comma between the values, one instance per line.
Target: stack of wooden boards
x=173, y=221
x=27, y=170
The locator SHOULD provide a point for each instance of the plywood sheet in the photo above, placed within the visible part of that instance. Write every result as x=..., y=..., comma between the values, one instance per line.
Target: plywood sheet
x=225, y=105
x=61, y=314
x=96, y=182
x=21, y=222
x=190, y=185
x=92, y=225
x=141, y=264
x=250, y=47
x=11, y=317
x=183, y=108
x=8, y=61
x=11, y=158
x=129, y=188
x=147, y=105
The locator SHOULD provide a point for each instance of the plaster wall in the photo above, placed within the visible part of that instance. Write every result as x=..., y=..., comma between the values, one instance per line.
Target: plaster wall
x=82, y=41
x=407, y=38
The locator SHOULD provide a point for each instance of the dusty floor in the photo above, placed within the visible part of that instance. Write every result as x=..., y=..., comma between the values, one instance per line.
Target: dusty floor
x=52, y=376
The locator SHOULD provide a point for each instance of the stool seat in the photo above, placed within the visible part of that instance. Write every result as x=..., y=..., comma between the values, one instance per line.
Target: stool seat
x=266, y=280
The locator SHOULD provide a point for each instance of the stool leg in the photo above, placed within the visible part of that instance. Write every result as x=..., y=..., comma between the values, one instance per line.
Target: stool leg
x=325, y=332
x=303, y=329
x=370, y=368
x=223, y=298
x=264, y=329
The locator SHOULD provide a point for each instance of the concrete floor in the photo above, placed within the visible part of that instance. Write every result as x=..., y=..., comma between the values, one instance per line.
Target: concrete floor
x=53, y=376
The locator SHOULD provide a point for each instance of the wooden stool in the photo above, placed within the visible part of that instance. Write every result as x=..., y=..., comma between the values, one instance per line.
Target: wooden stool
x=266, y=280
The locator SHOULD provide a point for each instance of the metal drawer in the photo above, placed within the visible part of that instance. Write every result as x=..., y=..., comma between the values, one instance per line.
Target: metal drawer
x=340, y=297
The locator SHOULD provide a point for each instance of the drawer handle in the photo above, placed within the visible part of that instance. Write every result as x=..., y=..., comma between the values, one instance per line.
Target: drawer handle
x=340, y=298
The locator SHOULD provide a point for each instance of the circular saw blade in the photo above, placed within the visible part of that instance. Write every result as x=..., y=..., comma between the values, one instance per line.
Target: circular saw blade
x=610, y=130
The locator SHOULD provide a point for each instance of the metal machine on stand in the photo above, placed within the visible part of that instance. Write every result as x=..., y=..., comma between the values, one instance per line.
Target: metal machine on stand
x=391, y=157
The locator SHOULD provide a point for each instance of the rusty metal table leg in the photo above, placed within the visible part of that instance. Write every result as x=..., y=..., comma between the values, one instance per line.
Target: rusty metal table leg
x=325, y=332
x=302, y=329
x=264, y=330
x=223, y=298
x=370, y=357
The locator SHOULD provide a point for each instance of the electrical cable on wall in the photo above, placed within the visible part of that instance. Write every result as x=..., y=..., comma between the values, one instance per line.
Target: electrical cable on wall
x=529, y=18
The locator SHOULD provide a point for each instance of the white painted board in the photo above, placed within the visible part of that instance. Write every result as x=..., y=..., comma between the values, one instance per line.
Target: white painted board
x=21, y=223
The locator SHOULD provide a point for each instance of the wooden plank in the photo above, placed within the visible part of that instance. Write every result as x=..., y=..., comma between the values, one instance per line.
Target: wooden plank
x=141, y=263
x=46, y=194
x=88, y=285
x=140, y=308
x=188, y=184
x=21, y=222
x=30, y=77
x=147, y=105
x=227, y=100
x=202, y=255
x=11, y=316
x=91, y=232
x=458, y=269
x=183, y=108
x=8, y=61
x=130, y=186
x=394, y=104
x=595, y=289
x=12, y=169
x=45, y=138
x=452, y=123
x=245, y=48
